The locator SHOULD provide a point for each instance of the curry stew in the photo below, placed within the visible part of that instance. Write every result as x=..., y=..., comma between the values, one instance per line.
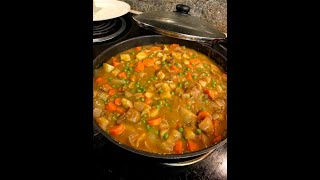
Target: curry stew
x=164, y=99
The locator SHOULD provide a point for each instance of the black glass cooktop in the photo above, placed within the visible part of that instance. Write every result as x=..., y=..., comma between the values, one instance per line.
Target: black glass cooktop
x=111, y=162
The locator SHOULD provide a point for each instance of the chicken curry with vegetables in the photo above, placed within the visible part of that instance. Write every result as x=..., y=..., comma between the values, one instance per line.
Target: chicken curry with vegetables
x=162, y=98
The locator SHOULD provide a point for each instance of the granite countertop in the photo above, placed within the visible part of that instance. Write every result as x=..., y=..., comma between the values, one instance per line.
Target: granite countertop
x=214, y=11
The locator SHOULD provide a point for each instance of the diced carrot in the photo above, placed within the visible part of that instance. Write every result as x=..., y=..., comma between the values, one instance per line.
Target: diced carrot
x=117, y=101
x=139, y=95
x=211, y=93
x=194, y=61
x=117, y=130
x=99, y=80
x=139, y=67
x=192, y=146
x=114, y=59
x=203, y=114
x=133, y=78
x=116, y=63
x=147, y=101
x=112, y=92
x=216, y=125
x=154, y=122
x=131, y=65
x=175, y=68
x=148, y=62
x=122, y=75
x=155, y=48
x=189, y=76
x=189, y=65
x=120, y=110
x=107, y=86
x=178, y=147
x=156, y=67
x=139, y=48
x=215, y=133
x=172, y=46
x=111, y=107
x=224, y=76
x=217, y=139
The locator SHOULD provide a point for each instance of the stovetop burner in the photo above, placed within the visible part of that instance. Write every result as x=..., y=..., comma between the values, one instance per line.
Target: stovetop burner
x=109, y=29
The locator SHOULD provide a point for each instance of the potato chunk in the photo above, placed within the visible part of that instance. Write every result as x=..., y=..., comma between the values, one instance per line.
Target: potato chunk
x=125, y=57
x=141, y=55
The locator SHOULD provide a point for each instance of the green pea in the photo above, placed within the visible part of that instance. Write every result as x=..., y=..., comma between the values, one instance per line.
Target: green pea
x=144, y=121
x=173, y=93
x=139, y=90
x=181, y=129
x=180, y=85
x=142, y=99
x=163, y=63
x=165, y=136
x=148, y=126
x=198, y=131
x=110, y=79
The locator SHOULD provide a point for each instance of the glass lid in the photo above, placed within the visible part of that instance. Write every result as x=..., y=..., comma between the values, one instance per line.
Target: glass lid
x=179, y=24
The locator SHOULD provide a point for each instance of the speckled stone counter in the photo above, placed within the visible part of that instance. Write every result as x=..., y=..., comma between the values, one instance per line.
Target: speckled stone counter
x=214, y=11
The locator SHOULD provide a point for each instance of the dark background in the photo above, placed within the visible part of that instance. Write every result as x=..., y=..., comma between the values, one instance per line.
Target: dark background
x=272, y=80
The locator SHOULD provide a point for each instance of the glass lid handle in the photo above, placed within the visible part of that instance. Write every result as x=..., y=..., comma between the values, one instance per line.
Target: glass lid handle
x=184, y=9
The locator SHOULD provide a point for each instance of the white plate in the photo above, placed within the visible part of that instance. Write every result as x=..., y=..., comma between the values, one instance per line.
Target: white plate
x=109, y=9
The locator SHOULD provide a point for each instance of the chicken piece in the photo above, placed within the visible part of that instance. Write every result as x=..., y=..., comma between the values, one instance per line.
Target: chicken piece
x=206, y=125
x=97, y=112
x=102, y=122
x=126, y=103
x=133, y=115
x=160, y=75
x=188, y=116
x=140, y=106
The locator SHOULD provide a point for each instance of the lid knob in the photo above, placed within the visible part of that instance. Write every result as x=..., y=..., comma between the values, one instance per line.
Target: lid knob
x=182, y=8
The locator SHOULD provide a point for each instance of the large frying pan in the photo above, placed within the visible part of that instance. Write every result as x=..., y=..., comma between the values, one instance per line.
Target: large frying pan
x=218, y=57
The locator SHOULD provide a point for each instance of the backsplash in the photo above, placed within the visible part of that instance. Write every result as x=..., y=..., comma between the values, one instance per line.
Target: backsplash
x=214, y=11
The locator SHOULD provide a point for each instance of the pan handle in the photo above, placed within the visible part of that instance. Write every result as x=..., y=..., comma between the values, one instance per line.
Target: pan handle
x=221, y=46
